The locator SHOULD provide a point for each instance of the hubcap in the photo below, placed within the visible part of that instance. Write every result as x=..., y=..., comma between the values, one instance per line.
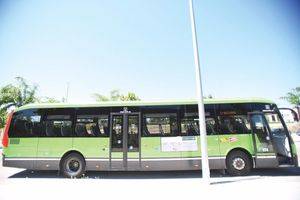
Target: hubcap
x=238, y=163
x=73, y=166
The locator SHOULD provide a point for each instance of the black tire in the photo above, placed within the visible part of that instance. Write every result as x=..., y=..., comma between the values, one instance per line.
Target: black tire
x=238, y=163
x=73, y=165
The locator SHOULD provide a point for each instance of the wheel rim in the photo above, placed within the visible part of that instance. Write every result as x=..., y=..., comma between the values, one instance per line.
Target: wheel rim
x=73, y=166
x=238, y=163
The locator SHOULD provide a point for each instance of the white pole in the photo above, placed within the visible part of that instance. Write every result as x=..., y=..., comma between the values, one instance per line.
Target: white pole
x=67, y=92
x=204, y=156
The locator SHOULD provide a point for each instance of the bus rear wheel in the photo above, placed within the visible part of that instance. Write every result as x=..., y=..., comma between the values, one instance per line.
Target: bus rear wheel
x=73, y=165
x=238, y=163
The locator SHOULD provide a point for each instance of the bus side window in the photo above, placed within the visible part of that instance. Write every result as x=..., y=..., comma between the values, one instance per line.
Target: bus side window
x=84, y=126
x=58, y=126
x=190, y=125
x=234, y=124
x=103, y=125
x=91, y=125
x=164, y=124
x=211, y=126
x=26, y=123
x=233, y=118
x=189, y=121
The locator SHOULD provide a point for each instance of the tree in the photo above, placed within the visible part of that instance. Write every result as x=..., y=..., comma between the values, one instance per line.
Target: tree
x=208, y=97
x=293, y=97
x=99, y=97
x=48, y=100
x=115, y=95
x=130, y=97
x=3, y=115
x=15, y=95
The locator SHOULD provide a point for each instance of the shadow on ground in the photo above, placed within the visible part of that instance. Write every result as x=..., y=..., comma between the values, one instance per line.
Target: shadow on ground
x=156, y=175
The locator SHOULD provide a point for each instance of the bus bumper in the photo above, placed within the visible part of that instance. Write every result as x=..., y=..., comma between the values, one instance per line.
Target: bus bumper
x=296, y=161
x=4, y=164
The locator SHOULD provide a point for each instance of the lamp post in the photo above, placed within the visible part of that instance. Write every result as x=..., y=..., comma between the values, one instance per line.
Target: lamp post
x=204, y=156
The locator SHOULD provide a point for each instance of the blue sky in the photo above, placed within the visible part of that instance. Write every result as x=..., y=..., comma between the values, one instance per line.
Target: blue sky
x=247, y=48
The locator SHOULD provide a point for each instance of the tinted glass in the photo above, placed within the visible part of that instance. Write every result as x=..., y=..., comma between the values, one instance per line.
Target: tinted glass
x=133, y=133
x=117, y=133
x=233, y=118
x=160, y=124
x=190, y=121
x=27, y=123
x=58, y=122
x=92, y=122
x=160, y=120
x=91, y=125
x=58, y=126
x=261, y=106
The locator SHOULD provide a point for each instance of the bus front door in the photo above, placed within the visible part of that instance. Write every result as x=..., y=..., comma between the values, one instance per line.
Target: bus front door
x=264, y=152
x=125, y=136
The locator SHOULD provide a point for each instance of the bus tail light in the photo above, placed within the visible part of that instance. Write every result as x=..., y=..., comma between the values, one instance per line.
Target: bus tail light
x=6, y=129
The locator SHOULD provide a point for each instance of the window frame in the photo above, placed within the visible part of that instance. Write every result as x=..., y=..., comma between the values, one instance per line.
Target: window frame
x=191, y=109
x=160, y=110
x=58, y=112
x=11, y=128
x=93, y=111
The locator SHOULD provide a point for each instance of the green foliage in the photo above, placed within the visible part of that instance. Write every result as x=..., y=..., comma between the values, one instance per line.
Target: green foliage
x=130, y=97
x=3, y=116
x=208, y=97
x=17, y=95
x=115, y=95
x=99, y=97
x=293, y=97
x=48, y=100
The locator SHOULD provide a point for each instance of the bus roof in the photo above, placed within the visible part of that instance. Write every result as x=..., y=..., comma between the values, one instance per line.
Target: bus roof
x=142, y=103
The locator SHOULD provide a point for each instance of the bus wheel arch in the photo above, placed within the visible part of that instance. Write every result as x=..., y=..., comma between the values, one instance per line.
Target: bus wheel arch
x=239, y=162
x=72, y=164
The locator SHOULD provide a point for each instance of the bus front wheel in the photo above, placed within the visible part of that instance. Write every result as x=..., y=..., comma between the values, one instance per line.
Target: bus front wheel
x=238, y=163
x=73, y=165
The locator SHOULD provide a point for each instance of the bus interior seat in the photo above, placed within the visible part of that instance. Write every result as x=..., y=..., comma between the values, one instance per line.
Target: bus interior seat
x=189, y=129
x=50, y=129
x=80, y=130
x=20, y=127
x=106, y=130
x=209, y=129
x=146, y=130
x=161, y=129
x=65, y=130
x=95, y=130
x=225, y=126
x=28, y=127
x=240, y=127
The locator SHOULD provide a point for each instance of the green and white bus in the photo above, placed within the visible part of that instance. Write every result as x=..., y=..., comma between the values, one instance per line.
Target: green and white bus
x=147, y=136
